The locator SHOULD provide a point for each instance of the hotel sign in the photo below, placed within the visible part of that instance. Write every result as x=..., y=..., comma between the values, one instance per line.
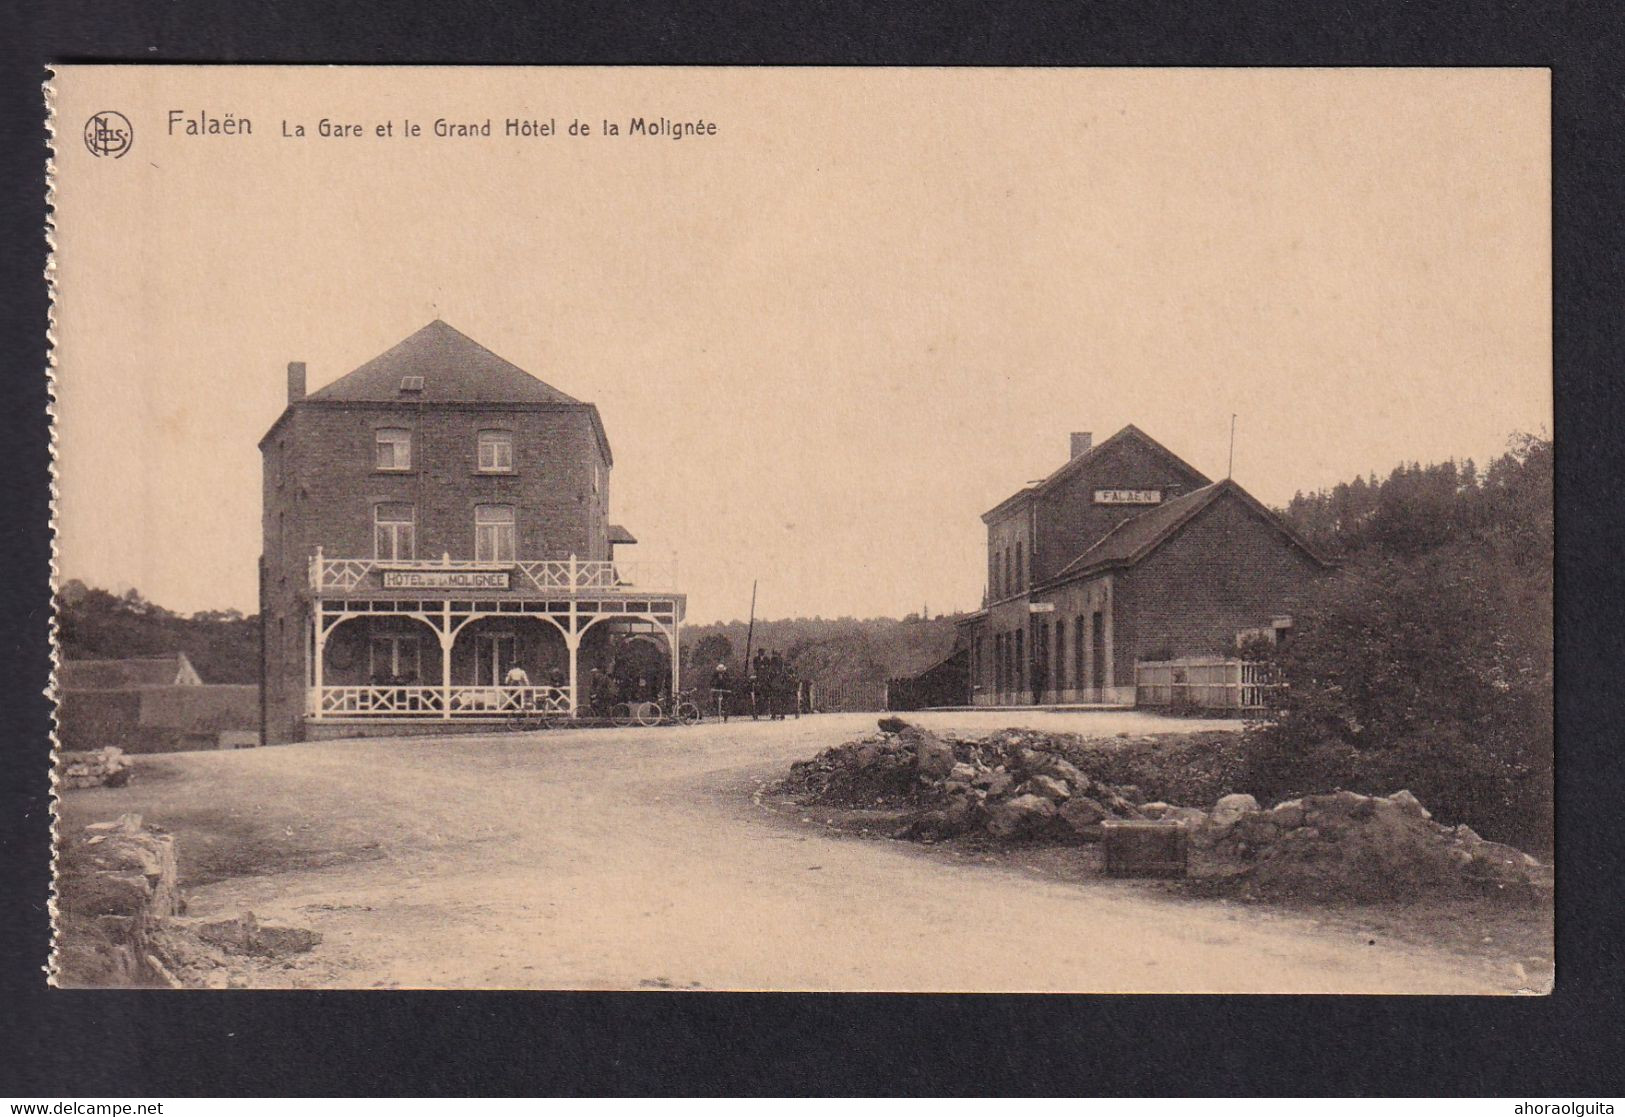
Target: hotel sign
x=446, y=579
x=1128, y=496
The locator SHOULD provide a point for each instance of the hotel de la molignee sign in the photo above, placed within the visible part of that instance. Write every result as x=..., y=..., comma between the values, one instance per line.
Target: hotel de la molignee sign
x=446, y=579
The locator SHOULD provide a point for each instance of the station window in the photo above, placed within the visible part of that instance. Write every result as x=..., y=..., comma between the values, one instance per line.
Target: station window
x=393, y=448
x=493, y=533
x=496, y=451
x=394, y=531
x=1079, y=636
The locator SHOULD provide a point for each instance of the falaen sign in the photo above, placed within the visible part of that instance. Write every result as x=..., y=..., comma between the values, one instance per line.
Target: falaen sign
x=1128, y=496
x=446, y=579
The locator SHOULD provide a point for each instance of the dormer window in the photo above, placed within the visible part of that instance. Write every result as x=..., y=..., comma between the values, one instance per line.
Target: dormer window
x=411, y=383
x=393, y=449
x=496, y=451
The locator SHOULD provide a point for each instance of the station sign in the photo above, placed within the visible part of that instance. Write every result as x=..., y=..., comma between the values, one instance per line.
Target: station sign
x=1128, y=496
x=1041, y=607
x=446, y=579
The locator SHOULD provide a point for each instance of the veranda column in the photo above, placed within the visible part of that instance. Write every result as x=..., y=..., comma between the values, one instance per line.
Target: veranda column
x=319, y=671
x=448, y=635
x=572, y=642
x=676, y=674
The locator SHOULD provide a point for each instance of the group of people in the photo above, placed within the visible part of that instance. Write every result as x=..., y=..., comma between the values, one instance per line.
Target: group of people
x=772, y=689
x=604, y=687
x=518, y=676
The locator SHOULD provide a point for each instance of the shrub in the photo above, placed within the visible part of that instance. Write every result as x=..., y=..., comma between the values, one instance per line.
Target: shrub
x=1432, y=673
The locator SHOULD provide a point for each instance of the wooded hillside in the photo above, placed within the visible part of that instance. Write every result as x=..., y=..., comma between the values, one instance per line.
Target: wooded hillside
x=224, y=646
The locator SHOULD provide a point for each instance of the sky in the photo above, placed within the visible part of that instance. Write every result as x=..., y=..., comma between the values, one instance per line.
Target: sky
x=823, y=340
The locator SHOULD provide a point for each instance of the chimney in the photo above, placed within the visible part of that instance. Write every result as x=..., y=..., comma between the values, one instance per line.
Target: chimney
x=1081, y=441
x=296, y=382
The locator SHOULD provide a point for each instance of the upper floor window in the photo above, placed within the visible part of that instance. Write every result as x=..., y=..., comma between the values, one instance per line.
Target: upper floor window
x=1021, y=568
x=393, y=448
x=496, y=451
x=394, y=531
x=493, y=533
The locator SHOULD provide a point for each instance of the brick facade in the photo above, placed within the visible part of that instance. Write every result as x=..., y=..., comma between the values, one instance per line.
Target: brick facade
x=1227, y=570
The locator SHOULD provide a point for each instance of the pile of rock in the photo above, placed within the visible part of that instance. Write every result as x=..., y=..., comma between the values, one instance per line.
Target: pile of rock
x=1012, y=786
x=116, y=887
x=1023, y=786
x=107, y=767
x=1349, y=846
x=875, y=771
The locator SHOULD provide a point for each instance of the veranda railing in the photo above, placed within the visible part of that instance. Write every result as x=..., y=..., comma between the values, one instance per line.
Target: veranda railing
x=387, y=701
x=570, y=575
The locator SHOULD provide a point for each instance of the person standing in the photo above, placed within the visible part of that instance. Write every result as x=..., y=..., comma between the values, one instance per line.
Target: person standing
x=775, y=685
x=721, y=689
x=597, y=693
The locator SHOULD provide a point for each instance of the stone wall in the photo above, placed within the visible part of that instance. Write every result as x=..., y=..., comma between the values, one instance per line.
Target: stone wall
x=107, y=767
x=155, y=719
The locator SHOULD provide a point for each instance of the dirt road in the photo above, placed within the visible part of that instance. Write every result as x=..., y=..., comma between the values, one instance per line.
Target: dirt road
x=636, y=858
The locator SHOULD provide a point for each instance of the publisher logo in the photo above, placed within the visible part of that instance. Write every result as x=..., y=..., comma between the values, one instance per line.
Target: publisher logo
x=109, y=133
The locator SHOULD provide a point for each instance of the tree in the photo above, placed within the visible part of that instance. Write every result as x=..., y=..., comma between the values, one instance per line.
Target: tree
x=94, y=624
x=1427, y=661
x=712, y=649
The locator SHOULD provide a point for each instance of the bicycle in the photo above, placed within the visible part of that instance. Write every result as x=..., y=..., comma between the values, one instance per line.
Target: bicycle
x=520, y=721
x=532, y=713
x=665, y=711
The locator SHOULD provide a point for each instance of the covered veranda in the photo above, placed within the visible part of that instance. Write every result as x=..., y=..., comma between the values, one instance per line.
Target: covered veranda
x=374, y=654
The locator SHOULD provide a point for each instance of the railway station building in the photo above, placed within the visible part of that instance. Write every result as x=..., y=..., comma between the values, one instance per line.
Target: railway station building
x=1124, y=554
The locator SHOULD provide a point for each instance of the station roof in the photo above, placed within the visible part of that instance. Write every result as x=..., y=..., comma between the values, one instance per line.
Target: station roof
x=1138, y=536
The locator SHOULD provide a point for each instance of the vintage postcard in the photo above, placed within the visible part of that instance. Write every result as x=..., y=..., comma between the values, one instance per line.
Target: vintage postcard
x=920, y=530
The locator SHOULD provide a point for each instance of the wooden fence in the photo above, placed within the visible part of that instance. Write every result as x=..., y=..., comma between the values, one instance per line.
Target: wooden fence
x=1204, y=682
x=848, y=697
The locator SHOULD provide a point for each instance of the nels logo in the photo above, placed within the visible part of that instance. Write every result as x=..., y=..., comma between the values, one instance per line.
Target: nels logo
x=109, y=133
